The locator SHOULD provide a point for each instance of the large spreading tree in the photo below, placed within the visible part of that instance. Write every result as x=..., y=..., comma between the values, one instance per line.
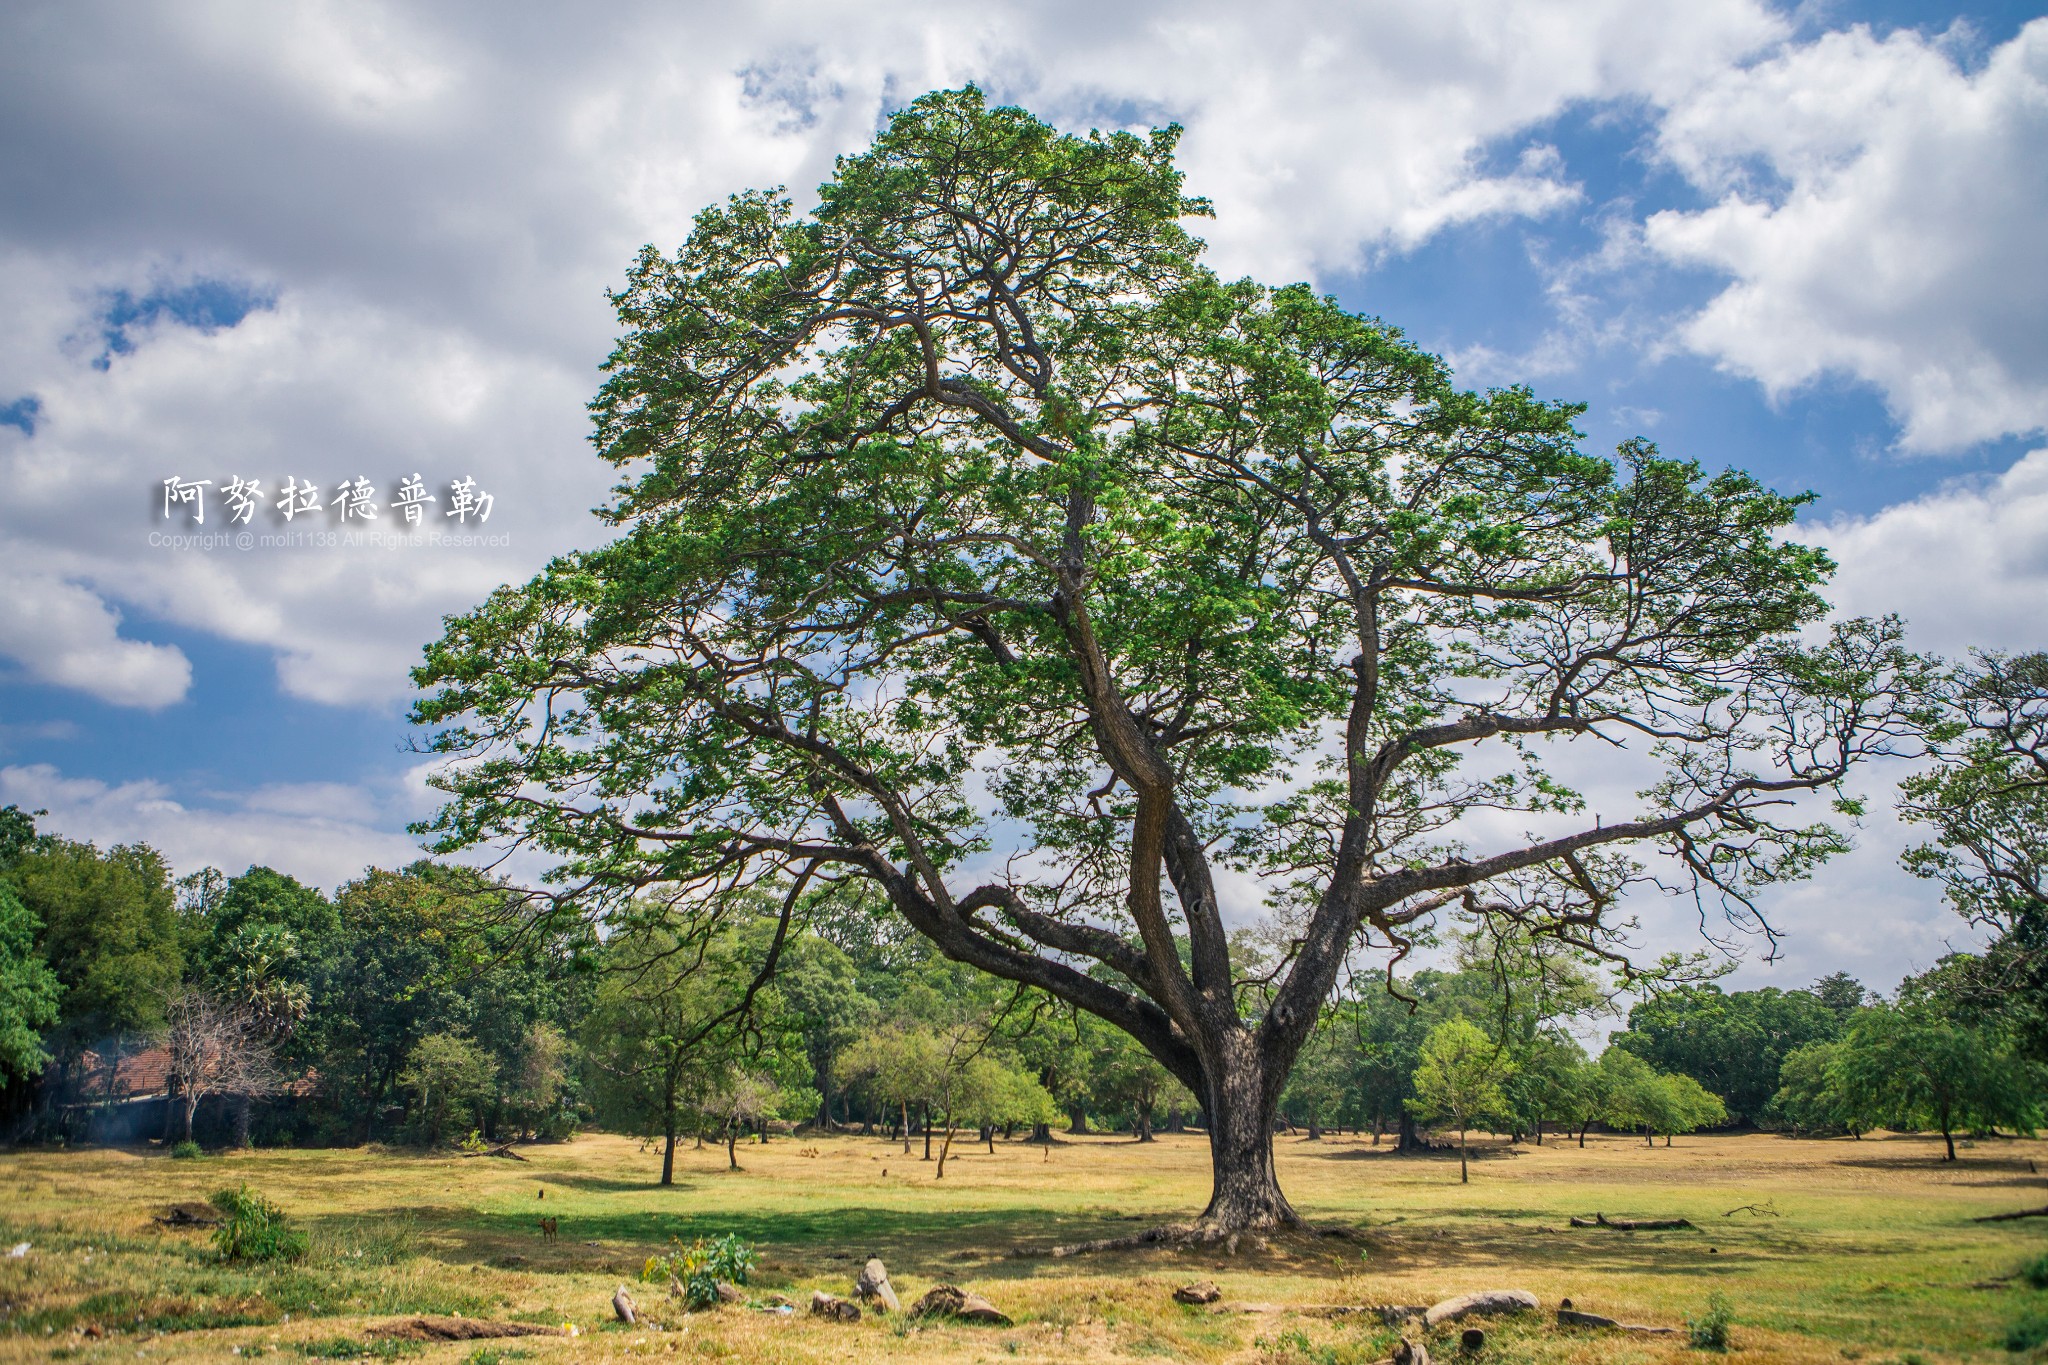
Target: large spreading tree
x=974, y=541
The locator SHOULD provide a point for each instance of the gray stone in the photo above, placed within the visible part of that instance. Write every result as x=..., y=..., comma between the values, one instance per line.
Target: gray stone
x=825, y=1305
x=873, y=1284
x=950, y=1301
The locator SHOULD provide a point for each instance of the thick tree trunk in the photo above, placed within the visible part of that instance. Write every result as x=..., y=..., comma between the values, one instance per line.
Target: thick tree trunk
x=668, y=1152
x=1409, y=1140
x=1315, y=1127
x=1244, y=1192
x=1077, y=1119
x=1947, y=1136
x=1144, y=1125
x=243, y=1104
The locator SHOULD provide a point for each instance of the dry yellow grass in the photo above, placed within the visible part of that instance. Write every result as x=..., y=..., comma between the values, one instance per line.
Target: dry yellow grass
x=1870, y=1255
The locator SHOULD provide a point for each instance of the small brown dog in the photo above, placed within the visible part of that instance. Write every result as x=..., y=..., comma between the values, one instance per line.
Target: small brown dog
x=547, y=1229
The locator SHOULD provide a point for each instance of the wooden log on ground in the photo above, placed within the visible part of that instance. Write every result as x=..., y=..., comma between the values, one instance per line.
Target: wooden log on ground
x=2041, y=1212
x=503, y=1149
x=1601, y=1220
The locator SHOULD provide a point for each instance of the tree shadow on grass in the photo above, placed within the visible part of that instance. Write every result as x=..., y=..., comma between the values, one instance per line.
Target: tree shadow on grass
x=983, y=1243
x=607, y=1184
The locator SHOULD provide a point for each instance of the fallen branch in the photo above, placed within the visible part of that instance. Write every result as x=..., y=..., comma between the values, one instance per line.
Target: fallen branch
x=2041, y=1212
x=1601, y=1220
x=503, y=1149
x=1759, y=1210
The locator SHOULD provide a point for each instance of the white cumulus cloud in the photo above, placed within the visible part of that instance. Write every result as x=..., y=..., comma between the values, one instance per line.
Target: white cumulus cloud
x=1878, y=211
x=1966, y=565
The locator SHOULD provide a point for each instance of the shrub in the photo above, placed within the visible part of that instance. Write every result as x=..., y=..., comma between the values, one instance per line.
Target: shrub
x=701, y=1265
x=2029, y=1332
x=1709, y=1331
x=186, y=1150
x=254, y=1229
x=2035, y=1272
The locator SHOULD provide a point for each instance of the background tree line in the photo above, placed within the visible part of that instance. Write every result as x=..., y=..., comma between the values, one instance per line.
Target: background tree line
x=414, y=1005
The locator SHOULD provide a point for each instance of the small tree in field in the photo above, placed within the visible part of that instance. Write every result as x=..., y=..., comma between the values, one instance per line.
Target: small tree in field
x=1680, y=1104
x=216, y=1048
x=975, y=480
x=1459, y=1080
x=1631, y=1092
x=900, y=1065
x=738, y=1099
x=447, y=1075
x=1911, y=1062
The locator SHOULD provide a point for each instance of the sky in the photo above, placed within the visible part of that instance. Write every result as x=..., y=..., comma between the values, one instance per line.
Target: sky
x=329, y=243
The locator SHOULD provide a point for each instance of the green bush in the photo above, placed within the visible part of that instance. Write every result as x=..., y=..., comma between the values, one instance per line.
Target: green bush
x=2029, y=1332
x=1709, y=1331
x=701, y=1265
x=186, y=1150
x=2035, y=1272
x=254, y=1229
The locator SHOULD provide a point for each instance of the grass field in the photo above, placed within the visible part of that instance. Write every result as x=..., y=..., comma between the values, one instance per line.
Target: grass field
x=1870, y=1255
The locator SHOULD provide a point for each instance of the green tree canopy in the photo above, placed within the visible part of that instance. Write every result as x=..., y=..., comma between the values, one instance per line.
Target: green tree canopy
x=1459, y=1080
x=974, y=478
x=29, y=991
x=109, y=931
x=1733, y=1043
x=1911, y=1063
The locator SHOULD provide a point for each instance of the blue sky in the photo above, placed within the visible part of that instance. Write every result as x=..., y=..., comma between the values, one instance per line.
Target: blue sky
x=373, y=243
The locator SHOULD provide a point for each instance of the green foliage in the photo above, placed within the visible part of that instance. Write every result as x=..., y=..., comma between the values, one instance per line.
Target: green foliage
x=1458, y=1079
x=447, y=1075
x=1911, y=1063
x=29, y=990
x=434, y=950
x=254, y=1229
x=1986, y=804
x=1732, y=1043
x=1811, y=1097
x=2027, y=1332
x=109, y=931
x=1709, y=1331
x=699, y=1266
x=187, y=1150
x=2035, y=1272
